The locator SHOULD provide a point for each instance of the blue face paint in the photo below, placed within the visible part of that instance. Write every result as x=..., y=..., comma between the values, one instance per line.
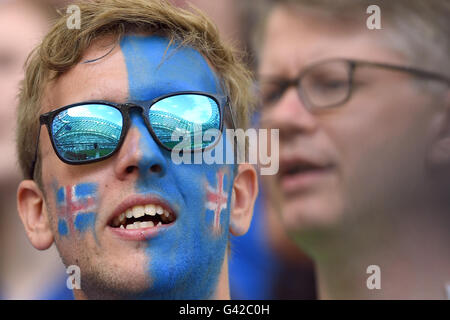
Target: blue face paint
x=85, y=190
x=60, y=196
x=184, y=261
x=62, y=227
x=154, y=69
x=85, y=221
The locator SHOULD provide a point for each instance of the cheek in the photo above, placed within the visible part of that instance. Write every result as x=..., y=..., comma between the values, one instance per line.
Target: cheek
x=206, y=190
x=76, y=209
x=381, y=146
x=207, y=193
x=218, y=200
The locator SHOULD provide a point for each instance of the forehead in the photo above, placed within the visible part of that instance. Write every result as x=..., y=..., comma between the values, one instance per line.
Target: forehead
x=295, y=38
x=156, y=67
x=139, y=68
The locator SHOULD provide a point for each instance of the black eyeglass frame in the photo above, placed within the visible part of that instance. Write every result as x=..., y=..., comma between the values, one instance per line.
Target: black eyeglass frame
x=352, y=65
x=125, y=109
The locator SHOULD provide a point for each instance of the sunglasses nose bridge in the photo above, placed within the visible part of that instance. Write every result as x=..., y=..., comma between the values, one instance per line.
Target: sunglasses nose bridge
x=136, y=109
x=130, y=107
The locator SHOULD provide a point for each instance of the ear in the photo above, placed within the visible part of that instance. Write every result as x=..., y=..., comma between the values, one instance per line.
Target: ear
x=440, y=152
x=245, y=190
x=33, y=213
x=439, y=155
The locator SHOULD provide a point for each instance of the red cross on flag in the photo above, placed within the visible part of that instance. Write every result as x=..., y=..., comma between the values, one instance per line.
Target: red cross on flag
x=74, y=201
x=216, y=201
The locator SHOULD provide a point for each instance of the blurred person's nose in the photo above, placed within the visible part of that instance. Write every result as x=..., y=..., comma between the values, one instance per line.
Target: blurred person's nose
x=290, y=115
x=139, y=155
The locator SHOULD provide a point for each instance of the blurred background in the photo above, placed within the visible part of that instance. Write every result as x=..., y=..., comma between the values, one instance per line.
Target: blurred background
x=264, y=264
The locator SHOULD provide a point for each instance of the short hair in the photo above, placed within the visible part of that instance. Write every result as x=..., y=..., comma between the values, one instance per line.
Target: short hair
x=418, y=29
x=62, y=48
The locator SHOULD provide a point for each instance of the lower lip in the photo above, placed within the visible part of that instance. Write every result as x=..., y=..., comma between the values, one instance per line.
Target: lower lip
x=140, y=234
x=304, y=180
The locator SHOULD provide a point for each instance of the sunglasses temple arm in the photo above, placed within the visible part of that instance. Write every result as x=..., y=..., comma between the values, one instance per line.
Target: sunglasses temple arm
x=33, y=164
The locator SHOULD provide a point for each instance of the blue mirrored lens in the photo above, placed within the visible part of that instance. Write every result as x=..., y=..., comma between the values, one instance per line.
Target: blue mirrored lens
x=184, y=117
x=87, y=132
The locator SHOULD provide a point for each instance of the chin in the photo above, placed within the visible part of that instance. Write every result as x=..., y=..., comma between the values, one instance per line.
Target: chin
x=115, y=283
x=304, y=214
x=111, y=276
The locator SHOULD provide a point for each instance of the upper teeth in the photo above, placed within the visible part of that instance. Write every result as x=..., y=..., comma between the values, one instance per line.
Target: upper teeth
x=140, y=211
x=150, y=209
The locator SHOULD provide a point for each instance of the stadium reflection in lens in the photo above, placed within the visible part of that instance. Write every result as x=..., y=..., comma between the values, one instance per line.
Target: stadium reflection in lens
x=87, y=132
x=189, y=113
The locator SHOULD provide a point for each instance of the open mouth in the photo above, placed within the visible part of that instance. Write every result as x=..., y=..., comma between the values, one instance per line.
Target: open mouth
x=143, y=216
x=301, y=168
x=300, y=174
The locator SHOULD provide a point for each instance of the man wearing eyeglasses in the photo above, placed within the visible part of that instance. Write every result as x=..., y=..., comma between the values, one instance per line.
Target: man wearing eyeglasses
x=99, y=110
x=364, y=119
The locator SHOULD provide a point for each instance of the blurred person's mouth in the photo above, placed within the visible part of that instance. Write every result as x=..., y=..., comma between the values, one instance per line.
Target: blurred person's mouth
x=141, y=218
x=300, y=173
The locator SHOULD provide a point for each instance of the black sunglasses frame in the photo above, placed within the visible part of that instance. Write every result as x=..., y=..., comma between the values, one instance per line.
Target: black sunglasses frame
x=352, y=65
x=125, y=109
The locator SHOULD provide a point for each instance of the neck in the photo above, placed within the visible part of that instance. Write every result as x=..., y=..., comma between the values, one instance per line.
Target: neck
x=410, y=248
x=8, y=222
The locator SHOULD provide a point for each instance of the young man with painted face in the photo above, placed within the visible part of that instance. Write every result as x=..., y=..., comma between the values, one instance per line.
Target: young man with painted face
x=364, y=119
x=100, y=180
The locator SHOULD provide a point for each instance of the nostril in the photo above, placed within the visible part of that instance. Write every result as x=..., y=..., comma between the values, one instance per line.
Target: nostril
x=130, y=169
x=156, y=168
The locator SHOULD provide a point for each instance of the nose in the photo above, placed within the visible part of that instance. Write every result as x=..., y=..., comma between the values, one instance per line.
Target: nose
x=139, y=154
x=289, y=115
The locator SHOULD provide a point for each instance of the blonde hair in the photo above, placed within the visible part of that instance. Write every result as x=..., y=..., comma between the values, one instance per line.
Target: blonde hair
x=62, y=48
